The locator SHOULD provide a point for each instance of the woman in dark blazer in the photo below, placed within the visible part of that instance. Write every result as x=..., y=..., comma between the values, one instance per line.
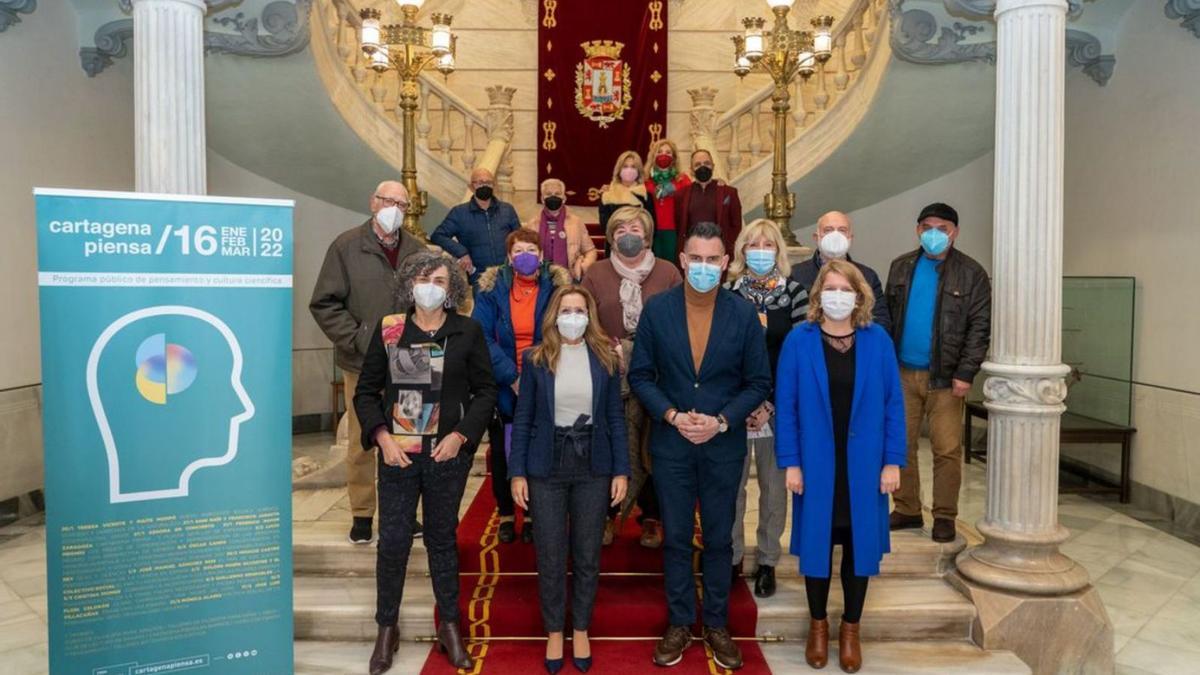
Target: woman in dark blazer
x=841, y=440
x=569, y=460
x=424, y=398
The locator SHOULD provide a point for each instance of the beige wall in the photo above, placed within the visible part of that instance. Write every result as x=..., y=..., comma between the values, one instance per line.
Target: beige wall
x=1133, y=208
x=60, y=129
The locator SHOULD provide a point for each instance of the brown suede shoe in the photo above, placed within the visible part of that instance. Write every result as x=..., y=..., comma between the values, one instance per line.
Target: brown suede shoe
x=849, y=649
x=450, y=643
x=900, y=521
x=669, y=650
x=816, y=651
x=651, y=534
x=386, y=644
x=943, y=530
x=725, y=651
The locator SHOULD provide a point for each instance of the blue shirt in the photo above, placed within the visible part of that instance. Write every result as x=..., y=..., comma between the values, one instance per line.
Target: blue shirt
x=917, y=341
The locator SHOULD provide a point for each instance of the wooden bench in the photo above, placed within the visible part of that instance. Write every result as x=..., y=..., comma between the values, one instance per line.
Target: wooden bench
x=1075, y=429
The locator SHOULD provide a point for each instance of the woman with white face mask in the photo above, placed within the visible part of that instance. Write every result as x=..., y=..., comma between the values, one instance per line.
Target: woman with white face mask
x=569, y=461
x=760, y=274
x=424, y=397
x=835, y=363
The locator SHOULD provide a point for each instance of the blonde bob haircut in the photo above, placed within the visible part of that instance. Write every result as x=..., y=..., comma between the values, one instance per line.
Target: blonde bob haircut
x=861, y=316
x=637, y=162
x=653, y=152
x=624, y=215
x=752, y=232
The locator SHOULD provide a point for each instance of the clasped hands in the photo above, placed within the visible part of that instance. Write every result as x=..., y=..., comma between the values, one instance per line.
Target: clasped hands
x=696, y=427
x=446, y=449
x=889, y=479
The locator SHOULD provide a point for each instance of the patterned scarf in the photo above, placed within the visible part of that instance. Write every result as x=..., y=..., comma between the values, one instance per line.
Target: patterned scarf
x=630, y=293
x=553, y=232
x=765, y=293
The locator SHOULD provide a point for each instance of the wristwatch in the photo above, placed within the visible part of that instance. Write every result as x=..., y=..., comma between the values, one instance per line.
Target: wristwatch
x=724, y=424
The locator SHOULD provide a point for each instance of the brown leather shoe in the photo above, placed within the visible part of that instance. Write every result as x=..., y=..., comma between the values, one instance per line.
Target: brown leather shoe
x=610, y=532
x=849, y=649
x=816, y=651
x=450, y=643
x=386, y=644
x=669, y=650
x=651, y=534
x=901, y=521
x=725, y=651
x=943, y=530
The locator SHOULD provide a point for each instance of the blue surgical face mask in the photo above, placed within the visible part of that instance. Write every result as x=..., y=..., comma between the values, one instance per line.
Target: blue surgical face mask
x=703, y=277
x=760, y=260
x=934, y=241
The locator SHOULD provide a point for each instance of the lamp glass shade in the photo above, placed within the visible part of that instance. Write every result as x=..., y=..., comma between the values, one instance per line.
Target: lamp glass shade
x=439, y=40
x=411, y=3
x=807, y=62
x=445, y=63
x=741, y=65
x=370, y=34
x=754, y=44
x=780, y=3
x=823, y=42
x=379, y=59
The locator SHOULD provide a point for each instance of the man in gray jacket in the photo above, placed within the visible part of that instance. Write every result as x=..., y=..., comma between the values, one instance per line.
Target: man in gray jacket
x=355, y=290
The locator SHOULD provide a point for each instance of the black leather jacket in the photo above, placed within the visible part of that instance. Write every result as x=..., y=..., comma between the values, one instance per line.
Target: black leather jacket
x=962, y=317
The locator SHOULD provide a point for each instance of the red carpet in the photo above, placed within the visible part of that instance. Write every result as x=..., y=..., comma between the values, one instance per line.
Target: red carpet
x=501, y=613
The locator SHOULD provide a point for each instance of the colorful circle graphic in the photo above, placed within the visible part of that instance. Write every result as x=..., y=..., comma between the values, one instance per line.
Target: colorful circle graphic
x=163, y=369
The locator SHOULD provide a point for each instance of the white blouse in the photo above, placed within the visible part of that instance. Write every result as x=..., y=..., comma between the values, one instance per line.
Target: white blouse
x=572, y=385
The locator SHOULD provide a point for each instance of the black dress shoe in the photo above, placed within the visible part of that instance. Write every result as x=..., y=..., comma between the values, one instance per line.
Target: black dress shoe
x=764, y=581
x=943, y=530
x=362, y=532
x=386, y=644
x=507, y=532
x=901, y=521
x=583, y=664
x=527, y=532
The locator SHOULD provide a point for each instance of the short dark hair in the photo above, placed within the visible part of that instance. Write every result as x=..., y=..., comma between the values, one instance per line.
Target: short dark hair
x=704, y=230
x=939, y=210
x=423, y=263
x=522, y=234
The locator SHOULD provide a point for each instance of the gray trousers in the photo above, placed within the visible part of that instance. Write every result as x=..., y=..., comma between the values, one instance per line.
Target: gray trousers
x=568, y=509
x=772, y=503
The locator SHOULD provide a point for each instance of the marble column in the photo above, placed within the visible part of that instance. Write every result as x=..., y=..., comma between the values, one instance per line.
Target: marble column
x=1031, y=598
x=168, y=89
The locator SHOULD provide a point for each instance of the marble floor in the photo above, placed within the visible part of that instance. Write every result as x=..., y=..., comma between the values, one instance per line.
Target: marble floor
x=1148, y=578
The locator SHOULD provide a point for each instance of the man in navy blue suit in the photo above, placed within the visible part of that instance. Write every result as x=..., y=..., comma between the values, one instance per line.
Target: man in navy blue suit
x=700, y=367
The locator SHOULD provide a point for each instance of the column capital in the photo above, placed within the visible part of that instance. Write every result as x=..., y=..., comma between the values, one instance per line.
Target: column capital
x=1004, y=6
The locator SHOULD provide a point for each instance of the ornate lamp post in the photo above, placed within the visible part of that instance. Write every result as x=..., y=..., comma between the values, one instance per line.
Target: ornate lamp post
x=409, y=49
x=782, y=53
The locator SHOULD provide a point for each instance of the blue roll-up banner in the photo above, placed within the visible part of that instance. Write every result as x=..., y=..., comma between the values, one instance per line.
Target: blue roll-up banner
x=166, y=365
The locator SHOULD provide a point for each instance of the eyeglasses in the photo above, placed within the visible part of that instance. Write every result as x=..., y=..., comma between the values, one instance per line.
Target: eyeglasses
x=388, y=201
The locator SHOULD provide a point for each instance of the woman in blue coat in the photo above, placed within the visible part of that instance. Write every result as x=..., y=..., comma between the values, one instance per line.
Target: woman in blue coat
x=569, y=461
x=840, y=437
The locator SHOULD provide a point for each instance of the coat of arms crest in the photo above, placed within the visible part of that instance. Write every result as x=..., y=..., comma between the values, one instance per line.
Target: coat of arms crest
x=602, y=92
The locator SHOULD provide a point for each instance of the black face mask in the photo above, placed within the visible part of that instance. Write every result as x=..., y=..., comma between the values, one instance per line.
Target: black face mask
x=703, y=173
x=483, y=193
x=553, y=203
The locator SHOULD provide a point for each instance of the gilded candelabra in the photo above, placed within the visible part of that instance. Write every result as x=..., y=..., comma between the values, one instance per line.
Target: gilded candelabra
x=409, y=49
x=781, y=53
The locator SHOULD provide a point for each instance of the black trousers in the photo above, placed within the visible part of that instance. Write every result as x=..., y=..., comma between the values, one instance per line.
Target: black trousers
x=854, y=588
x=440, y=486
x=498, y=465
x=569, y=508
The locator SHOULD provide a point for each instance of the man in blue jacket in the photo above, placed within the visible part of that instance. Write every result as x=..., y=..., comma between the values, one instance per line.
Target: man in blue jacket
x=474, y=232
x=700, y=367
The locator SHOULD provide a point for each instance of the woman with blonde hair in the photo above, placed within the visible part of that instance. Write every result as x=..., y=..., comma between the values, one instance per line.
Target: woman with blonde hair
x=760, y=274
x=841, y=440
x=569, y=461
x=626, y=189
x=664, y=181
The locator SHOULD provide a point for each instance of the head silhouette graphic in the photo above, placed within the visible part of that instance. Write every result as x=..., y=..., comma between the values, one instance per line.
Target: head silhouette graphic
x=175, y=374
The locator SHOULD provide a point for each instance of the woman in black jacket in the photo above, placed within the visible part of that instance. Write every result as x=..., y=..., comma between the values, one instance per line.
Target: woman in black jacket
x=570, y=461
x=424, y=398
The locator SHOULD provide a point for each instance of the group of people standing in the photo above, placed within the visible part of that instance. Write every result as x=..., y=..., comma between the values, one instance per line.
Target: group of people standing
x=653, y=377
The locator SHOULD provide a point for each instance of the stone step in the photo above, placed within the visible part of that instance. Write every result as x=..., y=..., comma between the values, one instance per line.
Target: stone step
x=321, y=548
x=933, y=657
x=333, y=608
